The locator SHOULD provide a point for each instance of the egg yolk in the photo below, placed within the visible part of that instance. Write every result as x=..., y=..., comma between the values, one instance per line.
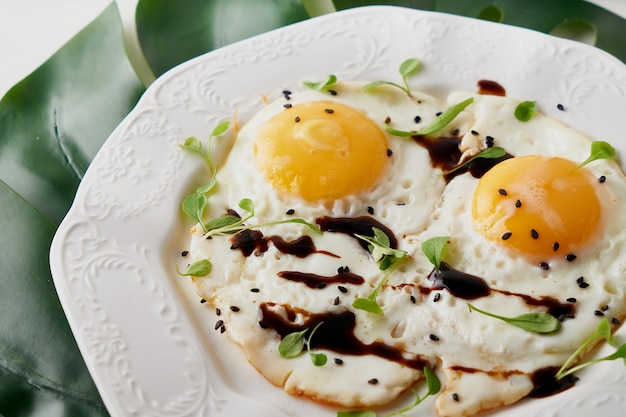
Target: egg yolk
x=538, y=206
x=321, y=151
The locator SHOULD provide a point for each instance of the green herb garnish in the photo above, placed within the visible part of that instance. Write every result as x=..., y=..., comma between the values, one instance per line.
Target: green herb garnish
x=195, y=204
x=229, y=224
x=433, y=386
x=322, y=85
x=533, y=322
x=603, y=331
x=435, y=249
x=488, y=153
x=407, y=68
x=379, y=247
x=599, y=150
x=199, y=268
x=525, y=111
x=437, y=124
x=369, y=304
x=292, y=345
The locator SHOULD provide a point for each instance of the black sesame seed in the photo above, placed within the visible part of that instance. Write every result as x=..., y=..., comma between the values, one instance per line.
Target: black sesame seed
x=263, y=325
x=518, y=204
x=583, y=285
x=321, y=285
x=560, y=107
x=571, y=300
x=340, y=270
x=222, y=329
x=604, y=308
x=598, y=313
x=534, y=234
x=434, y=337
x=601, y=179
x=555, y=246
x=438, y=114
x=389, y=152
x=473, y=132
x=286, y=92
x=336, y=301
x=218, y=312
x=455, y=132
x=615, y=321
x=287, y=105
x=580, y=280
x=417, y=119
x=202, y=301
x=387, y=120
x=234, y=308
x=507, y=235
x=329, y=111
x=544, y=265
x=489, y=141
x=502, y=191
x=342, y=289
x=437, y=297
x=290, y=212
x=333, y=92
x=297, y=119
x=346, y=269
x=370, y=209
x=373, y=381
x=455, y=396
x=412, y=298
x=219, y=324
x=338, y=361
x=255, y=290
x=570, y=257
x=184, y=253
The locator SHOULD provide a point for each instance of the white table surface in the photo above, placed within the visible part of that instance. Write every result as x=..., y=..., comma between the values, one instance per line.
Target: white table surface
x=33, y=30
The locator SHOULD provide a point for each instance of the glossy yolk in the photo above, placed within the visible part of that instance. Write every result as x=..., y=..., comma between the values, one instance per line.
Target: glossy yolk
x=321, y=151
x=538, y=206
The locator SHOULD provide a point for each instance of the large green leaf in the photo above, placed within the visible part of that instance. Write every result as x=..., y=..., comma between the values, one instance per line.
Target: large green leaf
x=171, y=32
x=53, y=122
x=540, y=15
x=40, y=364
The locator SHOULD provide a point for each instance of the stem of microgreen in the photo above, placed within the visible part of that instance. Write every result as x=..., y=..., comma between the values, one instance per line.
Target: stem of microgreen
x=599, y=150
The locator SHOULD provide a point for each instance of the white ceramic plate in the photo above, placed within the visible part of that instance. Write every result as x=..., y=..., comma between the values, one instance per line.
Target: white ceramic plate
x=148, y=342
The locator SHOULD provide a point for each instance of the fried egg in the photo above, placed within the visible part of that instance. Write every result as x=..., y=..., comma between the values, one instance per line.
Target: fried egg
x=517, y=245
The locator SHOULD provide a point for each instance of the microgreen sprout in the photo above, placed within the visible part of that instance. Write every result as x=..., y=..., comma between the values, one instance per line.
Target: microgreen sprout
x=433, y=385
x=292, y=345
x=603, y=331
x=407, y=68
x=199, y=268
x=229, y=224
x=599, y=150
x=542, y=323
x=322, y=85
x=488, y=153
x=441, y=121
x=195, y=204
x=379, y=247
x=436, y=249
x=525, y=111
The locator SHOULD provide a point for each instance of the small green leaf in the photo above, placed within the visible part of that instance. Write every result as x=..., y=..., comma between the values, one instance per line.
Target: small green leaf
x=599, y=150
x=488, y=153
x=247, y=205
x=220, y=128
x=533, y=322
x=437, y=124
x=409, y=67
x=292, y=344
x=432, y=381
x=192, y=144
x=194, y=205
x=368, y=305
x=208, y=187
x=222, y=222
x=435, y=249
x=318, y=359
x=525, y=111
x=322, y=85
x=199, y=268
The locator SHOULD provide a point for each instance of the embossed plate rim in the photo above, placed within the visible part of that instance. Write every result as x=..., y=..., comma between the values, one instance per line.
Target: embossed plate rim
x=107, y=253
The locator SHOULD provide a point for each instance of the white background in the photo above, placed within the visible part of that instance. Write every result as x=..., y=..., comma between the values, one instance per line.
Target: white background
x=33, y=30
